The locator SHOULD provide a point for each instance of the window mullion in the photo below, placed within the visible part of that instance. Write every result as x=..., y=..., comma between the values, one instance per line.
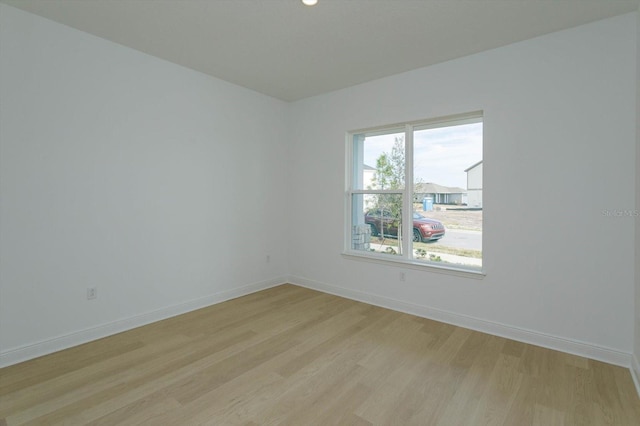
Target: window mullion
x=407, y=199
x=377, y=191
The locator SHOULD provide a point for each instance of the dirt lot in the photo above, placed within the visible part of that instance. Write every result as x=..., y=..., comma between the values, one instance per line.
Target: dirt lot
x=454, y=217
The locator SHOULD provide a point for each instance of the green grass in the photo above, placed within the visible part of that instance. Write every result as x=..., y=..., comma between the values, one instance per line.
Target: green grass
x=429, y=247
x=436, y=248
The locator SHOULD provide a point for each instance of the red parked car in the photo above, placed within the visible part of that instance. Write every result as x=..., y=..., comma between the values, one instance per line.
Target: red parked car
x=424, y=229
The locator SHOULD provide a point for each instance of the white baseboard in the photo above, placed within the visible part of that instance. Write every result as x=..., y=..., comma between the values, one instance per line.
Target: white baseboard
x=25, y=353
x=635, y=372
x=586, y=350
x=16, y=355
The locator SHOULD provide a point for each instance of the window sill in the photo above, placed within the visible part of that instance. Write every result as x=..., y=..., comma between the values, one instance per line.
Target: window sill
x=383, y=259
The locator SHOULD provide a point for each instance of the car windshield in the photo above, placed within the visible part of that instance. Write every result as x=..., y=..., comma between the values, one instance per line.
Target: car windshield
x=418, y=216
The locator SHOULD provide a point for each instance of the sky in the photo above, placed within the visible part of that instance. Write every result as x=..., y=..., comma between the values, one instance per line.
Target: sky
x=440, y=155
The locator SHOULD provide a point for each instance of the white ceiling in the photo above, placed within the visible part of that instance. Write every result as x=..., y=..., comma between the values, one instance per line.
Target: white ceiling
x=290, y=51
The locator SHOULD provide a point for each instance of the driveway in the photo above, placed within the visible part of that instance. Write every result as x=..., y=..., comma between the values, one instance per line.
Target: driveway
x=461, y=238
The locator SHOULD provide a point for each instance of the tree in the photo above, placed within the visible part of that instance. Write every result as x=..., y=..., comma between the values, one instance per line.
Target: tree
x=389, y=174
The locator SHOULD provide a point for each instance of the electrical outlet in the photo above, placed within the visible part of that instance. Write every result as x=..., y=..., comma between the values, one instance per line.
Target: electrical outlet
x=402, y=277
x=92, y=293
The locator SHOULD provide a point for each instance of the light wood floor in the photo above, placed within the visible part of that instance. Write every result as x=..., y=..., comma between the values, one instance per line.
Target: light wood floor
x=293, y=356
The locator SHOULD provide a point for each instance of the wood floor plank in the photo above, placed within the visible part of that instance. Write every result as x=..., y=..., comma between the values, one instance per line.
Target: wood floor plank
x=86, y=379
x=292, y=356
x=481, y=351
x=501, y=389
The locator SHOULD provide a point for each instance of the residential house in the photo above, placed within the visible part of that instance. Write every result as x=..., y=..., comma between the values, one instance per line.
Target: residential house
x=474, y=185
x=439, y=194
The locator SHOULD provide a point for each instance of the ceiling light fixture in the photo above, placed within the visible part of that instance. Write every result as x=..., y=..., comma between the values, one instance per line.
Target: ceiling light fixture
x=310, y=2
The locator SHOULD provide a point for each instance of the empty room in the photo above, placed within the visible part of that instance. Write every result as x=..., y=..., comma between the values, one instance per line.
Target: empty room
x=332, y=212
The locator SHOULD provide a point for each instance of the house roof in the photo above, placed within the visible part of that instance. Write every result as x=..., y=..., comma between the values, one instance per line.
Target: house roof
x=474, y=166
x=434, y=188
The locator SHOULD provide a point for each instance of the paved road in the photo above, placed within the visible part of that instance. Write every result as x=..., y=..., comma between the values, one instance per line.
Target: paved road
x=462, y=239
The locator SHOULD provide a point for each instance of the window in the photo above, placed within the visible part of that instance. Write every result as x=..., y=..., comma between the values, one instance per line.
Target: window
x=415, y=193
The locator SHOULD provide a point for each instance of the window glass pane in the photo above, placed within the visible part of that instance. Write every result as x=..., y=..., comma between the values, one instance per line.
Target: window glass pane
x=377, y=223
x=378, y=161
x=447, y=191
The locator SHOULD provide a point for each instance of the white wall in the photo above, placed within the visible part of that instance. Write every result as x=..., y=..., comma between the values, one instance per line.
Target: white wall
x=127, y=173
x=636, y=364
x=559, y=121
